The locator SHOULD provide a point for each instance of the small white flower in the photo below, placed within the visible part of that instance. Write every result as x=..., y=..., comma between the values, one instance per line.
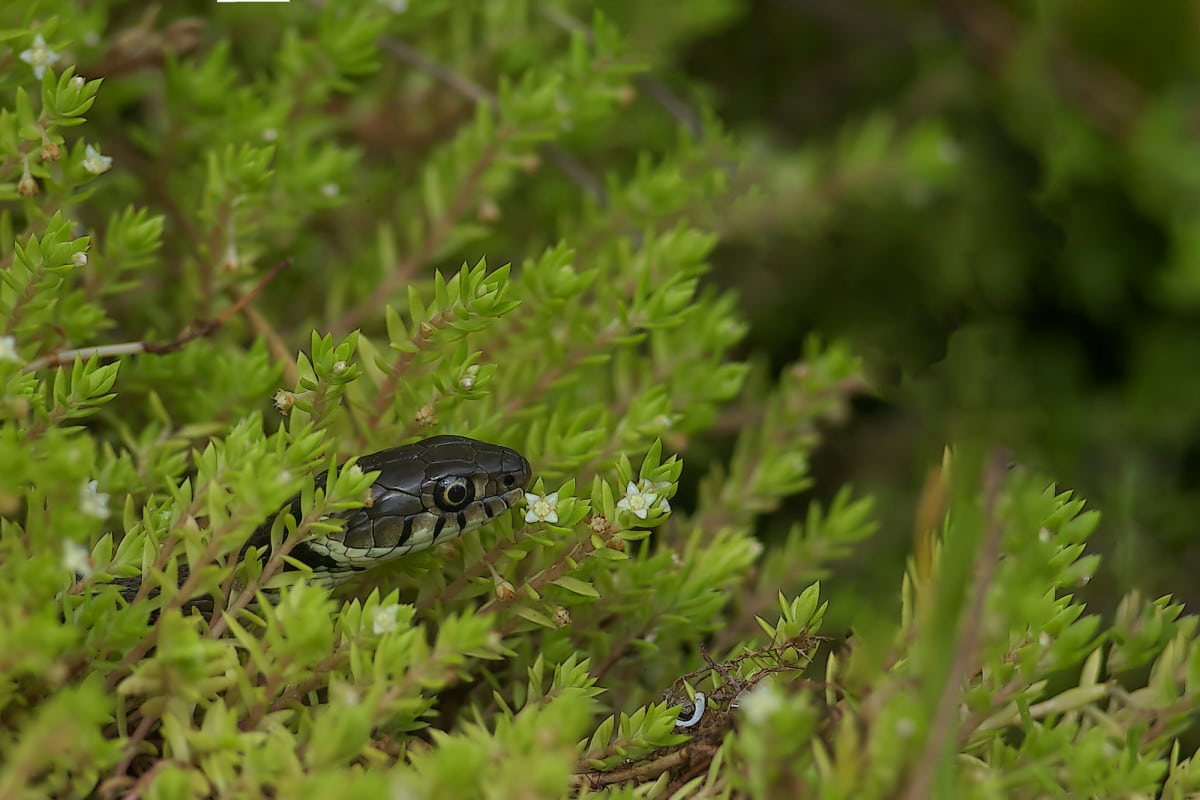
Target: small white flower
x=468, y=378
x=655, y=488
x=542, y=508
x=77, y=82
x=79, y=259
x=331, y=190
x=638, y=500
x=339, y=367
x=396, y=6
x=8, y=349
x=760, y=703
x=95, y=163
x=39, y=56
x=385, y=619
x=92, y=501
x=355, y=471
x=270, y=135
x=77, y=559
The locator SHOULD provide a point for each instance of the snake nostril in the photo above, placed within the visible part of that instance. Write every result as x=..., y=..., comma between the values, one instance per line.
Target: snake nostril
x=509, y=480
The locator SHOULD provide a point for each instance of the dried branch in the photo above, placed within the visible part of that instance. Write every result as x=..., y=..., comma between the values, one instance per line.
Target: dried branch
x=189, y=334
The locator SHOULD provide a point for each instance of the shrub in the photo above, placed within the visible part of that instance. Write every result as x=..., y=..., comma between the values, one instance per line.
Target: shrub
x=306, y=176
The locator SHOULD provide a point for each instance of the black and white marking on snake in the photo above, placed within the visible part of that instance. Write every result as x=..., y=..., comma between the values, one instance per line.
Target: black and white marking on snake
x=427, y=492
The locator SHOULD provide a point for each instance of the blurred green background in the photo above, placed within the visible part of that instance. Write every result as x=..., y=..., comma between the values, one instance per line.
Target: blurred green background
x=1034, y=280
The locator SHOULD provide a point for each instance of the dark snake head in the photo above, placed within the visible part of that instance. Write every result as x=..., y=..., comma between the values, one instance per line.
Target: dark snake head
x=427, y=492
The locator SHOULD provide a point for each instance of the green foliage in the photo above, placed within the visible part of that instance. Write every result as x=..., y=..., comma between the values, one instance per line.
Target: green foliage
x=1004, y=193
x=625, y=630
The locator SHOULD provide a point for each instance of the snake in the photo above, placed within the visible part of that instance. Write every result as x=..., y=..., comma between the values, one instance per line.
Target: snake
x=427, y=492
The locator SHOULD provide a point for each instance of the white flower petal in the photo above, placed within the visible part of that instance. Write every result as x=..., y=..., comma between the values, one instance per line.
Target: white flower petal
x=39, y=56
x=94, y=162
x=760, y=703
x=384, y=620
x=77, y=559
x=8, y=349
x=92, y=501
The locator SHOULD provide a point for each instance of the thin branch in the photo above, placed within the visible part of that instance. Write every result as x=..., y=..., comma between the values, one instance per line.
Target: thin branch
x=187, y=335
x=572, y=167
x=440, y=229
x=649, y=770
x=1108, y=98
x=656, y=90
x=275, y=344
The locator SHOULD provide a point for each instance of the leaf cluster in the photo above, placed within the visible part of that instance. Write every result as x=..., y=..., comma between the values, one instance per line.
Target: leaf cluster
x=154, y=414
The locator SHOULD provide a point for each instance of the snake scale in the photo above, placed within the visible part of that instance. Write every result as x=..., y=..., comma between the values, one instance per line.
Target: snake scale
x=427, y=492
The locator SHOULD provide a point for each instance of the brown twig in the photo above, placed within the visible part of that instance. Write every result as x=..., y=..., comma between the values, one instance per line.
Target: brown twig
x=646, y=770
x=187, y=335
x=131, y=744
x=655, y=89
x=440, y=229
x=1110, y=99
x=572, y=167
x=477, y=569
x=275, y=344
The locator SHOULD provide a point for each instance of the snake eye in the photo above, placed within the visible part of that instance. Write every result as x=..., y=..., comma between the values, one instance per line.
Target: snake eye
x=453, y=493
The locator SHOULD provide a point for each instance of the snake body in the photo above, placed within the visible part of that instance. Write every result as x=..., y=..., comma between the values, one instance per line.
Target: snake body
x=427, y=492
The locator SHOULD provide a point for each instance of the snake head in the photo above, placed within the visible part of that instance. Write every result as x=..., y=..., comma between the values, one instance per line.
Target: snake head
x=427, y=492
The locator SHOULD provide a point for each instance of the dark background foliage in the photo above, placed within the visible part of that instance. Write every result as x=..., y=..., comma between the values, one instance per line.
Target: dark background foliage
x=1041, y=294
